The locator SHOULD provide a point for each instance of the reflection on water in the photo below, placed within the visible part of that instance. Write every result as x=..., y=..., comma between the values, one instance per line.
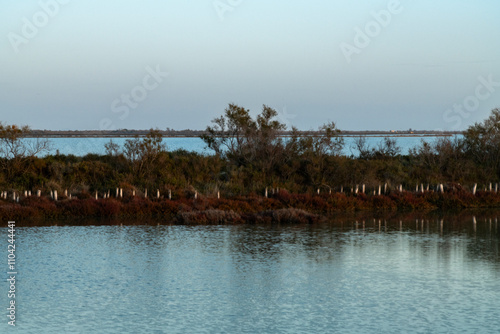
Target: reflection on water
x=361, y=275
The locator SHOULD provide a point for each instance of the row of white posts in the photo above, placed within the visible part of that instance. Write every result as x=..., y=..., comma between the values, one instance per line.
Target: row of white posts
x=418, y=188
x=358, y=189
x=27, y=193
x=118, y=194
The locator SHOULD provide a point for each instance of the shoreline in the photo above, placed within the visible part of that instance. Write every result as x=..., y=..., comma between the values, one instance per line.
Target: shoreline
x=283, y=208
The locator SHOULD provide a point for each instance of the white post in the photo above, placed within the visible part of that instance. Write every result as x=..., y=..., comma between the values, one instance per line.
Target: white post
x=357, y=189
x=441, y=188
x=385, y=188
x=96, y=196
x=133, y=193
x=474, y=189
x=169, y=194
x=341, y=189
x=116, y=193
x=491, y=188
x=318, y=191
x=427, y=187
x=38, y=193
x=195, y=195
x=52, y=194
x=66, y=192
x=379, y=190
x=265, y=193
x=158, y=193
x=146, y=193
x=218, y=195
x=422, y=187
x=121, y=192
x=55, y=195
x=363, y=191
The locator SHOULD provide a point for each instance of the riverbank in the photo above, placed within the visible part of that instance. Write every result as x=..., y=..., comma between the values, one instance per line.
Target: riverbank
x=283, y=207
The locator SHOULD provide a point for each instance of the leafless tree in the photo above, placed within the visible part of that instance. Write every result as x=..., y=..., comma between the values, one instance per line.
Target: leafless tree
x=16, y=149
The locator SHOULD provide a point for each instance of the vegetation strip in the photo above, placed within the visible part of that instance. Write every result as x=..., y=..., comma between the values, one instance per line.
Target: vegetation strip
x=255, y=174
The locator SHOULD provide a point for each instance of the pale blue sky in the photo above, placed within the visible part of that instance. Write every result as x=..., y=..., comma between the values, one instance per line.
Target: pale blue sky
x=73, y=72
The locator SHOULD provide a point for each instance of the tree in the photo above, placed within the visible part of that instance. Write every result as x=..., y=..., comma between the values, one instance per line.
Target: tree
x=144, y=154
x=15, y=150
x=112, y=149
x=365, y=152
x=440, y=161
x=315, y=152
x=386, y=149
x=250, y=143
x=482, y=142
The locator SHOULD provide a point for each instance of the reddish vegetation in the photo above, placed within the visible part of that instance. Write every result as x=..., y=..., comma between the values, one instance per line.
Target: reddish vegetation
x=280, y=208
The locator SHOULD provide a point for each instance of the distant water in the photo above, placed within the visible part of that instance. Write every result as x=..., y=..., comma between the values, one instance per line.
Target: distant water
x=83, y=146
x=340, y=277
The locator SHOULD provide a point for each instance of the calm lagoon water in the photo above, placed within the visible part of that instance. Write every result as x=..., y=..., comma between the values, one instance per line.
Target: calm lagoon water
x=83, y=146
x=413, y=276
